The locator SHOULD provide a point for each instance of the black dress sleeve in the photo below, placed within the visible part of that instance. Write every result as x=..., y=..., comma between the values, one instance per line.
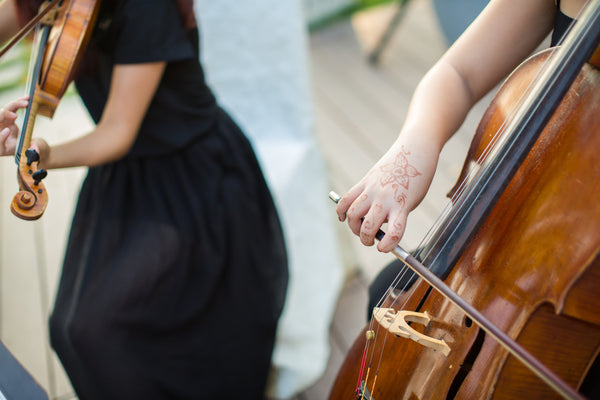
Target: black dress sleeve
x=150, y=31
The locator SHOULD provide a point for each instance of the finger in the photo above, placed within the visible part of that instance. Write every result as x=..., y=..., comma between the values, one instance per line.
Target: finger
x=7, y=116
x=4, y=133
x=357, y=211
x=36, y=147
x=13, y=133
x=17, y=104
x=346, y=201
x=395, y=231
x=371, y=223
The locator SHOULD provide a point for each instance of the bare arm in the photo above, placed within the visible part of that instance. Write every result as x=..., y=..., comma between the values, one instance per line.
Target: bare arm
x=497, y=41
x=132, y=90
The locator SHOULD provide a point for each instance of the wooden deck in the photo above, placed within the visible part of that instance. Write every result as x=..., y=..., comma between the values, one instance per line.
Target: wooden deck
x=359, y=110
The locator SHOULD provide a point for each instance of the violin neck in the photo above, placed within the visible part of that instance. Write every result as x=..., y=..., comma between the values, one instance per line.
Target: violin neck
x=32, y=109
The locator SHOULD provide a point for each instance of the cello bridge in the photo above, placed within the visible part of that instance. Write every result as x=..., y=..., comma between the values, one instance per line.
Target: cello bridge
x=397, y=323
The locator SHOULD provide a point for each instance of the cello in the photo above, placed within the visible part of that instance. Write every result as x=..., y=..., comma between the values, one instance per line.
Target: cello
x=63, y=30
x=506, y=297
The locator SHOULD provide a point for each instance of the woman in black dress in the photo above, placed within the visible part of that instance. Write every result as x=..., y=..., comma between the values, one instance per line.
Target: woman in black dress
x=175, y=271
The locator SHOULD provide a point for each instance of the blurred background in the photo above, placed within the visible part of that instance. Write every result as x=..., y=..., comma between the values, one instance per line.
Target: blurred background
x=354, y=65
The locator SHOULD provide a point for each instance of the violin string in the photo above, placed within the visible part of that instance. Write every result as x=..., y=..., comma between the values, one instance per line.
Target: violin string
x=35, y=46
x=33, y=74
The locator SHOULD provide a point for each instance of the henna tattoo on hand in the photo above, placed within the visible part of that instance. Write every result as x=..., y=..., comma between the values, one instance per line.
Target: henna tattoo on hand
x=398, y=174
x=395, y=232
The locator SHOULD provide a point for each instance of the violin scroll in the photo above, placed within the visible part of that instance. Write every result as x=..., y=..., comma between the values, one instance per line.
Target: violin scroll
x=32, y=198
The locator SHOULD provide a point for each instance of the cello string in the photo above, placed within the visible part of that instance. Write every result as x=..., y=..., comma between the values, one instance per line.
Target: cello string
x=544, y=74
x=448, y=209
x=490, y=148
x=542, y=92
x=376, y=331
x=431, y=236
x=492, y=145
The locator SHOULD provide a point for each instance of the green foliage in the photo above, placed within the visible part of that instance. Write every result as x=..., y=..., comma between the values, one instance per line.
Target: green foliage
x=358, y=5
x=14, y=67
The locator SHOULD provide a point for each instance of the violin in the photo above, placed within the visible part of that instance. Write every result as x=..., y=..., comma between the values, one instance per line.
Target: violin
x=505, y=299
x=64, y=28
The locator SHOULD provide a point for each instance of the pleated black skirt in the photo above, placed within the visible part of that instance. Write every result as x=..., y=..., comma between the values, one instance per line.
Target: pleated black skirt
x=174, y=276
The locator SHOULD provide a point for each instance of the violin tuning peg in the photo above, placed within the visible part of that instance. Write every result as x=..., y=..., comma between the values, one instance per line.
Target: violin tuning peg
x=39, y=175
x=32, y=156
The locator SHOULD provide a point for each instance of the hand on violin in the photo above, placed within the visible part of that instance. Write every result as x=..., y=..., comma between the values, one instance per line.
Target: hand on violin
x=43, y=150
x=8, y=128
x=389, y=191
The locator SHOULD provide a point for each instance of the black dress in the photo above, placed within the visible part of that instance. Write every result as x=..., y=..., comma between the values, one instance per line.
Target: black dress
x=175, y=271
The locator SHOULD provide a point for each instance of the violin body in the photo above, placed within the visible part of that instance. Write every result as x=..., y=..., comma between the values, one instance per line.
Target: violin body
x=533, y=269
x=68, y=39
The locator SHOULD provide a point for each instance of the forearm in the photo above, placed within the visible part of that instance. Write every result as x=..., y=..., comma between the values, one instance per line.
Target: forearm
x=399, y=180
x=104, y=144
x=439, y=106
x=132, y=89
x=499, y=39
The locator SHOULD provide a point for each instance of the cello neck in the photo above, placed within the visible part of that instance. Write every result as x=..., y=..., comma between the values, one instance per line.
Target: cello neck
x=493, y=175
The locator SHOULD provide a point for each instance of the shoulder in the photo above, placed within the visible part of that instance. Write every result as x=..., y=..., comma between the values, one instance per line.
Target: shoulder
x=149, y=31
x=499, y=39
x=571, y=7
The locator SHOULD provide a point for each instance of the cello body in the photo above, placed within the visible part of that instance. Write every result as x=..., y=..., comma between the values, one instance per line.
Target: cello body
x=532, y=268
